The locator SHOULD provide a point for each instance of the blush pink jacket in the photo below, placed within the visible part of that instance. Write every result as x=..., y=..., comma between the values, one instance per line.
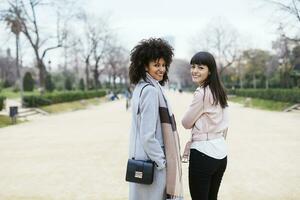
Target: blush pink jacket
x=205, y=118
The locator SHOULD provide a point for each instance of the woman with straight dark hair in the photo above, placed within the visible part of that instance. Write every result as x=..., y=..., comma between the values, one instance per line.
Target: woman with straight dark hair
x=153, y=130
x=207, y=117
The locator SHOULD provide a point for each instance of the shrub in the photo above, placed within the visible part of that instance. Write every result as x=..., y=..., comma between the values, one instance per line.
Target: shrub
x=68, y=84
x=2, y=99
x=28, y=82
x=35, y=101
x=49, y=84
x=60, y=97
x=81, y=84
x=7, y=84
x=284, y=95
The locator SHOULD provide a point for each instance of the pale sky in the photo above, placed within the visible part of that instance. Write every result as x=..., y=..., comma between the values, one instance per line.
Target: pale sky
x=182, y=19
x=134, y=20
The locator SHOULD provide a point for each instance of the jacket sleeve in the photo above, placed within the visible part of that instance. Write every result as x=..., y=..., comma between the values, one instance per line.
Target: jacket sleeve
x=194, y=111
x=149, y=105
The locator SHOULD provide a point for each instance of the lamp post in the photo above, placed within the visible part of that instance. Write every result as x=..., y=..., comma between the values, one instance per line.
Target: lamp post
x=49, y=66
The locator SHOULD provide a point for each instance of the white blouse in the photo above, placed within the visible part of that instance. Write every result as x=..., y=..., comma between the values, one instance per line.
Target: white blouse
x=215, y=148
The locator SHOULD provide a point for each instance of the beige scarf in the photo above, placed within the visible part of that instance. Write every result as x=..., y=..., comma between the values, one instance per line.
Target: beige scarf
x=172, y=146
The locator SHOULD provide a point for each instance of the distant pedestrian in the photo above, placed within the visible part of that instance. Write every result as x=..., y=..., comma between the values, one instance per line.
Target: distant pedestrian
x=128, y=95
x=112, y=96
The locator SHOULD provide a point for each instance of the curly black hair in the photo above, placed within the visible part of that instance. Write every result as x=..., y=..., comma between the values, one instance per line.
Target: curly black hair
x=146, y=51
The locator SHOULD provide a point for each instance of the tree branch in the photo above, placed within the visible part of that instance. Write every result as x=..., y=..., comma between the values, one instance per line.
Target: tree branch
x=290, y=9
x=48, y=49
x=26, y=12
x=296, y=10
x=33, y=4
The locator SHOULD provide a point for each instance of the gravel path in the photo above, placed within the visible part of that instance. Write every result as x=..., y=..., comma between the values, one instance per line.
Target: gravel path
x=82, y=155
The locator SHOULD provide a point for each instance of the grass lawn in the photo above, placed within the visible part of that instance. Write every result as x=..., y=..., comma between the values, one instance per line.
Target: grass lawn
x=6, y=121
x=261, y=103
x=58, y=108
x=10, y=94
x=71, y=106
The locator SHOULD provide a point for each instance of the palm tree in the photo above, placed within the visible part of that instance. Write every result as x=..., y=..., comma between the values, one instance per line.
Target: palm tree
x=16, y=27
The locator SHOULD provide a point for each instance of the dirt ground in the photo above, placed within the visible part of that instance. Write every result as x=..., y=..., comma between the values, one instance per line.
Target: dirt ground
x=82, y=155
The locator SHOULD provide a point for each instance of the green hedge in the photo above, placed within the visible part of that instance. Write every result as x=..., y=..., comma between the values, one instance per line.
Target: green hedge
x=2, y=99
x=284, y=95
x=60, y=97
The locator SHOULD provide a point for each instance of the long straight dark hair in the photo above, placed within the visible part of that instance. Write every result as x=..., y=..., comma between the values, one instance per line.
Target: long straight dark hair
x=213, y=80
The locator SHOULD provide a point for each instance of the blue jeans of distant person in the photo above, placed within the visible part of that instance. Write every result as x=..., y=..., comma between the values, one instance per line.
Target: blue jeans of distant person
x=205, y=175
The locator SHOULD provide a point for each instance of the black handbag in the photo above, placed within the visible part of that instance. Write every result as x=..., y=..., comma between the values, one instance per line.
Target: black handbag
x=140, y=171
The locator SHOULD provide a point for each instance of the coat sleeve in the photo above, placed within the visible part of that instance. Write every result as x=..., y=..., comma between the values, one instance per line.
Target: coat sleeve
x=149, y=105
x=194, y=111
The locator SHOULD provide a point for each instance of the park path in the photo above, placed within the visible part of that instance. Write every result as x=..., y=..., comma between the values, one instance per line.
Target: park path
x=82, y=155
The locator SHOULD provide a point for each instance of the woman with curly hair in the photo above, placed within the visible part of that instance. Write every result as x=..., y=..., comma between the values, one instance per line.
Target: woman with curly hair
x=153, y=129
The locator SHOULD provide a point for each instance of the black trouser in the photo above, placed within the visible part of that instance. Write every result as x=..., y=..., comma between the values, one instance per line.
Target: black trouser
x=205, y=175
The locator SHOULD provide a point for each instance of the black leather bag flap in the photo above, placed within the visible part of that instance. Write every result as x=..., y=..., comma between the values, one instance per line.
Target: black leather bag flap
x=140, y=171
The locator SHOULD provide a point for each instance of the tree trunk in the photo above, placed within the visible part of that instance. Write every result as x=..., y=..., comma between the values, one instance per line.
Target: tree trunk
x=114, y=81
x=96, y=77
x=109, y=79
x=241, y=83
x=19, y=74
x=254, y=81
x=87, y=75
x=286, y=78
x=267, y=83
x=42, y=75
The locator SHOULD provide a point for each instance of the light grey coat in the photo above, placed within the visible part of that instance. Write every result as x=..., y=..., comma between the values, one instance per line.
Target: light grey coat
x=146, y=131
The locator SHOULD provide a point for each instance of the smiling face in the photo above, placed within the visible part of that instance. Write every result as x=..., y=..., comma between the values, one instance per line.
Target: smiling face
x=157, y=69
x=199, y=73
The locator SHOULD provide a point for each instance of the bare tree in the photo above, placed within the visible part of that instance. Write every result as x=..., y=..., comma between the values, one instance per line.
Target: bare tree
x=94, y=45
x=86, y=53
x=179, y=73
x=123, y=72
x=221, y=39
x=74, y=51
x=99, y=50
x=26, y=13
x=7, y=68
x=282, y=48
x=116, y=62
x=291, y=9
x=240, y=70
x=271, y=67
